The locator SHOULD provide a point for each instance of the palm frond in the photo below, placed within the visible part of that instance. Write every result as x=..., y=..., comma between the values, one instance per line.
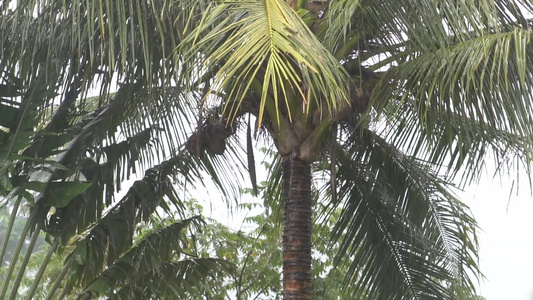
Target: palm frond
x=146, y=259
x=63, y=40
x=114, y=232
x=482, y=84
x=74, y=151
x=245, y=40
x=407, y=235
x=459, y=146
x=412, y=25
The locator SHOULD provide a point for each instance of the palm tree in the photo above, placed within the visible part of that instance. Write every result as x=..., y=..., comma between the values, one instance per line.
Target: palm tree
x=66, y=167
x=450, y=77
x=393, y=100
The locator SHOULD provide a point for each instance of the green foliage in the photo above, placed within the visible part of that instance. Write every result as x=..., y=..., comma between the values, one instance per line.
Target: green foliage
x=267, y=37
x=16, y=232
x=257, y=257
x=67, y=172
x=154, y=267
x=391, y=102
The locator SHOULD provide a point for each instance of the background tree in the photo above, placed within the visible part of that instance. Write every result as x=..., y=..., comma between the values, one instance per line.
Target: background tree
x=255, y=252
x=18, y=225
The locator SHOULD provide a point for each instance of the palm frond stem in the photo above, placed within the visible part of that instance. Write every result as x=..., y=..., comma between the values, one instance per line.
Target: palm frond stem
x=7, y=232
x=42, y=268
x=60, y=278
x=16, y=255
x=22, y=268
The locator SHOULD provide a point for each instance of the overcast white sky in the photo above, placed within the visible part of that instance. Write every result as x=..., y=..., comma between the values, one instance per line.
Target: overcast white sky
x=506, y=239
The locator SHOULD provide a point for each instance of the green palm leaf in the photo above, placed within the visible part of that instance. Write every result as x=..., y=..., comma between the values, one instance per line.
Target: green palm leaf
x=148, y=257
x=484, y=79
x=459, y=145
x=266, y=39
x=405, y=232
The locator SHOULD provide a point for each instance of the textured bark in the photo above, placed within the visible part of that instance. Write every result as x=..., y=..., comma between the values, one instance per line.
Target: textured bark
x=297, y=228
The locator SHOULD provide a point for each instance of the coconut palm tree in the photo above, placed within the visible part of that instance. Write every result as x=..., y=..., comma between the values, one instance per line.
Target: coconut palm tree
x=452, y=79
x=392, y=100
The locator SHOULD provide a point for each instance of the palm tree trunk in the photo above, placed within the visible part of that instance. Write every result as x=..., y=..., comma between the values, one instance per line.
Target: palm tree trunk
x=297, y=228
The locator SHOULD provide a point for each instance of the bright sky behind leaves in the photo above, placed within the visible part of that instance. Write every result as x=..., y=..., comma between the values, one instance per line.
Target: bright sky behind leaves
x=506, y=239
